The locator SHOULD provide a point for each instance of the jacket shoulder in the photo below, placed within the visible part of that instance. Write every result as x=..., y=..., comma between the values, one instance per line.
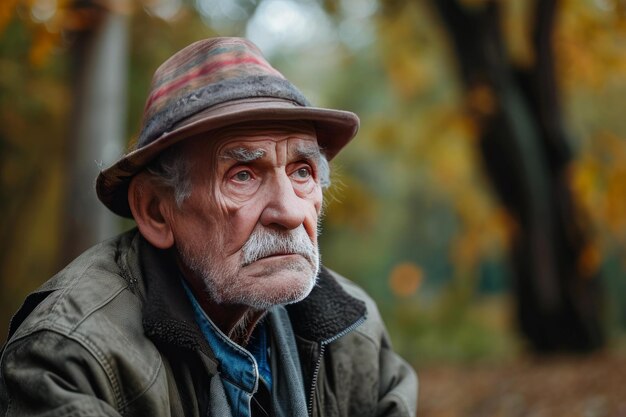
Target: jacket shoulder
x=79, y=291
x=371, y=378
x=92, y=306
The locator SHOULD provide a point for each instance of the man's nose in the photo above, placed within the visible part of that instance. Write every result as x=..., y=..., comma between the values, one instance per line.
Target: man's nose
x=284, y=209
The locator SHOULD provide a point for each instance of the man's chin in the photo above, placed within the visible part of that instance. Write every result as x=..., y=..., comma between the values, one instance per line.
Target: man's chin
x=271, y=295
x=278, y=280
x=272, y=266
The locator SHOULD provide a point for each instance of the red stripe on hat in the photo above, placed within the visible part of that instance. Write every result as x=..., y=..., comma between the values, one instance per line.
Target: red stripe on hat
x=202, y=71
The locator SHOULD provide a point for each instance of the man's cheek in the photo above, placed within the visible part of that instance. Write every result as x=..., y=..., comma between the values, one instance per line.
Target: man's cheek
x=241, y=222
x=318, y=199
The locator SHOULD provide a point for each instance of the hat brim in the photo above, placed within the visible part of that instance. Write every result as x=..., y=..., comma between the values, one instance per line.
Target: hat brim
x=334, y=128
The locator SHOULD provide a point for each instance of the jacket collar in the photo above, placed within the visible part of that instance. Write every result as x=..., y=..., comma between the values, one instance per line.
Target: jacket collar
x=168, y=315
x=327, y=312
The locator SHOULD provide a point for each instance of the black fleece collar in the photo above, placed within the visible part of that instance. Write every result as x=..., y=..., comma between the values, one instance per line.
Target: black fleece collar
x=168, y=315
x=326, y=312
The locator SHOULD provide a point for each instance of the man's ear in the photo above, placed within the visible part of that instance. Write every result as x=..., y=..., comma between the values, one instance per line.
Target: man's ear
x=149, y=209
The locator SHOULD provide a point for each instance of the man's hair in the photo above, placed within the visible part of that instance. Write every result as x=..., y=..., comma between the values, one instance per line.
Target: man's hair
x=171, y=170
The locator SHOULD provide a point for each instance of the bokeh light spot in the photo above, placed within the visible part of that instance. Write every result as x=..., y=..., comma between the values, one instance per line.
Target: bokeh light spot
x=405, y=279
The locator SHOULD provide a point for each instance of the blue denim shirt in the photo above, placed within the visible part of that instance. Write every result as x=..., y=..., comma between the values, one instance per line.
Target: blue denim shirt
x=239, y=368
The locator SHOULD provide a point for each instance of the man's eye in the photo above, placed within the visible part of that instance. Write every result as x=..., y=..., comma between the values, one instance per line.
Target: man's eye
x=243, y=176
x=303, y=173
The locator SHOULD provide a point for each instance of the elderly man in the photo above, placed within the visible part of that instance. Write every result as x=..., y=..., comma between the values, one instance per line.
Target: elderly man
x=216, y=304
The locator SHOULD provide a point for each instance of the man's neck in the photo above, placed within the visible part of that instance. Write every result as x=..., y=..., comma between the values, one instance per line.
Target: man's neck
x=236, y=321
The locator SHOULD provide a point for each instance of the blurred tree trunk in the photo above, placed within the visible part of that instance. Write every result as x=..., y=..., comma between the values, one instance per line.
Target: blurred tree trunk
x=100, y=53
x=526, y=155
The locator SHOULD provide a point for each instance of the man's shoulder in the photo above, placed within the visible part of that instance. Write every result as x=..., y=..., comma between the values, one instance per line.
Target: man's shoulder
x=87, y=321
x=89, y=293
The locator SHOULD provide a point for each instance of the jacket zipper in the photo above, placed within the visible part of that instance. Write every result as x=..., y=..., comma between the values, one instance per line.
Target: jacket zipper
x=318, y=364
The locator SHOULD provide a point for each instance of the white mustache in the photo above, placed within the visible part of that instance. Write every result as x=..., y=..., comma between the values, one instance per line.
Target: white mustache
x=267, y=242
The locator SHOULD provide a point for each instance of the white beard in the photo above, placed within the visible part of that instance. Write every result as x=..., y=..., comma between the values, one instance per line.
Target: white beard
x=225, y=282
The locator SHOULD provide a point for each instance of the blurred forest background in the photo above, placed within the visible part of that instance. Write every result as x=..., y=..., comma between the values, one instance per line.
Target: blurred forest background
x=483, y=203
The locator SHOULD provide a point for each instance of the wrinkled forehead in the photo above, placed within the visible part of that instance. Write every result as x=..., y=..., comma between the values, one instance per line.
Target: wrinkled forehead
x=248, y=132
x=247, y=141
x=227, y=141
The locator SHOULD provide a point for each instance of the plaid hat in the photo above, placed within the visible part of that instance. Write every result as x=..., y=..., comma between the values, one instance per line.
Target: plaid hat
x=211, y=84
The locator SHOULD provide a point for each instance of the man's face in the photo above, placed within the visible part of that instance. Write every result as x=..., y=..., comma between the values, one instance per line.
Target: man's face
x=249, y=228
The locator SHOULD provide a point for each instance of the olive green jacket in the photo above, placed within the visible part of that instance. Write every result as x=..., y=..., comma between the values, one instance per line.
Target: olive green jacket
x=113, y=334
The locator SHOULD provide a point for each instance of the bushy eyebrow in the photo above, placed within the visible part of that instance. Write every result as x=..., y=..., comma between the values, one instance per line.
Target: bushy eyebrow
x=248, y=155
x=311, y=153
x=243, y=154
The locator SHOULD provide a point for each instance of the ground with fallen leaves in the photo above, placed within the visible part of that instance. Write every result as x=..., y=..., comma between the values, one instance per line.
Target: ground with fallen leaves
x=591, y=386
